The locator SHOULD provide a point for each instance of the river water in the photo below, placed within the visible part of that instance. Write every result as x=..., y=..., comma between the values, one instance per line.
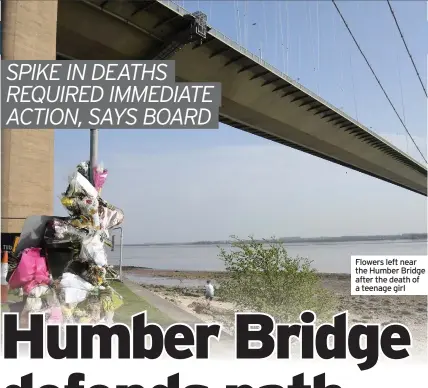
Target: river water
x=326, y=257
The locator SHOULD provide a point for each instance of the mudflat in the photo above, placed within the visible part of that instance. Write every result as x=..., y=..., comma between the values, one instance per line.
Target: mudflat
x=383, y=310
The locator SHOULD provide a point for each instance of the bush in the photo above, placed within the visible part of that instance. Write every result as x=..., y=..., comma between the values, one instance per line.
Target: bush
x=263, y=277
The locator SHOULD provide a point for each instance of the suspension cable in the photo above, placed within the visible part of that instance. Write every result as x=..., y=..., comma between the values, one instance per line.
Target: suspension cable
x=281, y=33
x=318, y=50
x=402, y=98
x=287, y=38
x=401, y=88
x=318, y=38
x=335, y=45
x=311, y=37
x=353, y=85
x=235, y=13
x=240, y=40
x=245, y=25
x=276, y=61
x=407, y=48
x=341, y=78
x=266, y=40
x=377, y=79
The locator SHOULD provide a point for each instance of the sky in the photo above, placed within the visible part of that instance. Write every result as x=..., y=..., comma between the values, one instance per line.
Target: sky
x=181, y=186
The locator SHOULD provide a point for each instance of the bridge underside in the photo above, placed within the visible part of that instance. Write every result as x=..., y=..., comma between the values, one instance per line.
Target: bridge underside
x=256, y=99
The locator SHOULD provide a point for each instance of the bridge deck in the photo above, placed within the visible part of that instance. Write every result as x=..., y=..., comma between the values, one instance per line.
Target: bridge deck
x=257, y=98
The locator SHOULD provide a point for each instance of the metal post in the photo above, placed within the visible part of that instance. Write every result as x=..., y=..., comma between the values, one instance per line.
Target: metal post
x=121, y=254
x=93, y=153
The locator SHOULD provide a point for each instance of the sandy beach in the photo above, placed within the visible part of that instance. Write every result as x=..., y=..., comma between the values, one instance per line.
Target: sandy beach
x=382, y=310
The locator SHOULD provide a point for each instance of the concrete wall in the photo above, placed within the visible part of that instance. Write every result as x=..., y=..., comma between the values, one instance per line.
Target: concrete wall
x=27, y=159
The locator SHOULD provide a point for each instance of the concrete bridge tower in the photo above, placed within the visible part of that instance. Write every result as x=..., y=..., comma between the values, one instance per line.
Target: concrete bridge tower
x=27, y=156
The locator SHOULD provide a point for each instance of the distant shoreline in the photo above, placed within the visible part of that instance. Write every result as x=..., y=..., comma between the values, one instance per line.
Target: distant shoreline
x=202, y=274
x=302, y=240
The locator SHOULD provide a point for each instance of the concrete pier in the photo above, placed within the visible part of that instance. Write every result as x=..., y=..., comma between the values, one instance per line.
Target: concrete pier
x=27, y=156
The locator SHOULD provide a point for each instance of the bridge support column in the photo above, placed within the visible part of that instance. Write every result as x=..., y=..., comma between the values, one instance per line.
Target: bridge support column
x=27, y=156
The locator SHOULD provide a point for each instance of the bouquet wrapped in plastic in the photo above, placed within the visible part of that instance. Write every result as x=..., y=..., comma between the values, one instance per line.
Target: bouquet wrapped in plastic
x=67, y=276
x=99, y=174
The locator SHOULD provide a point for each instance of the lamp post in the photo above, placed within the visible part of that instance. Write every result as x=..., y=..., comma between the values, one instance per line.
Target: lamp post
x=92, y=164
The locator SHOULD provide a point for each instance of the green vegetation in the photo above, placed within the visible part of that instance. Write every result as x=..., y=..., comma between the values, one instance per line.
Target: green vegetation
x=133, y=304
x=262, y=277
x=12, y=298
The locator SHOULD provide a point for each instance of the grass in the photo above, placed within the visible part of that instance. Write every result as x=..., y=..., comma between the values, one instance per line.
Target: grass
x=133, y=304
x=12, y=298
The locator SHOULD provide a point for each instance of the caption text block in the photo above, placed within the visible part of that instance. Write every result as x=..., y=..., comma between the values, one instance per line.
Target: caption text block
x=104, y=94
x=389, y=275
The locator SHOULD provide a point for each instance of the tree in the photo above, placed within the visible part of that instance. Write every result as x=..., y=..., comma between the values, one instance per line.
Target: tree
x=263, y=277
